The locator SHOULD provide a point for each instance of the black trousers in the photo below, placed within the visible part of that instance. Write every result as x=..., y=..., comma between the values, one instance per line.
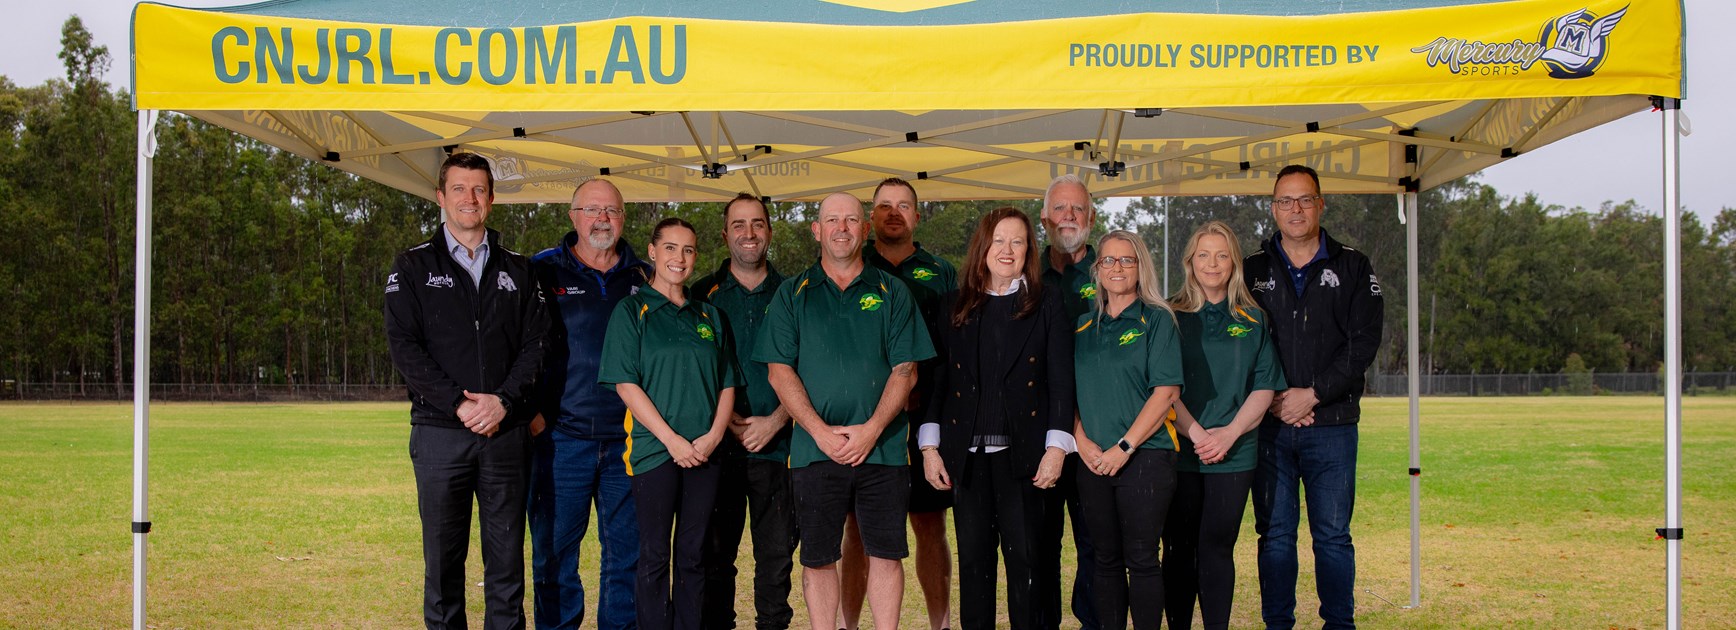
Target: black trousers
x=1126, y=514
x=671, y=499
x=453, y=466
x=995, y=509
x=755, y=492
x=1058, y=503
x=1199, y=543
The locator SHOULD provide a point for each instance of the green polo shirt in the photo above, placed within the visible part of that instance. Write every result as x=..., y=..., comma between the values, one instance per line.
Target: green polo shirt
x=1224, y=358
x=745, y=311
x=1116, y=362
x=843, y=344
x=681, y=356
x=928, y=276
x=1077, y=288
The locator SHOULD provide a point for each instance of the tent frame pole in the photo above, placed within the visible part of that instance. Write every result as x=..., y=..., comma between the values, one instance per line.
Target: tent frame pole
x=1413, y=382
x=1672, y=531
x=142, y=359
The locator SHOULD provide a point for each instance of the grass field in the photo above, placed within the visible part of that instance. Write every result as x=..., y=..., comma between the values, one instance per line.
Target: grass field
x=1537, y=512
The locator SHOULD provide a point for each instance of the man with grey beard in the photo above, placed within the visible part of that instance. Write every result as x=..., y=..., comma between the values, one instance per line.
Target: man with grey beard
x=1068, y=218
x=580, y=435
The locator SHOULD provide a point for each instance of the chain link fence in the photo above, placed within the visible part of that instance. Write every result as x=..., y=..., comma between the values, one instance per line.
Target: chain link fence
x=1582, y=384
x=1559, y=384
x=244, y=392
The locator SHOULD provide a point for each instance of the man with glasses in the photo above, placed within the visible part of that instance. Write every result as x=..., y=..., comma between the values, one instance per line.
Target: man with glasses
x=1068, y=218
x=1324, y=305
x=580, y=433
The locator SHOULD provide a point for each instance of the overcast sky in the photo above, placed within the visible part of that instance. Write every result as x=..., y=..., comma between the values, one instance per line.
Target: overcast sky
x=1617, y=161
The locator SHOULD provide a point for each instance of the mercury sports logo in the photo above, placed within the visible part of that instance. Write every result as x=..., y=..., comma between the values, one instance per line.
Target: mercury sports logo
x=705, y=332
x=871, y=302
x=1572, y=46
x=922, y=273
x=1089, y=291
x=1130, y=335
x=1577, y=42
x=1237, y=330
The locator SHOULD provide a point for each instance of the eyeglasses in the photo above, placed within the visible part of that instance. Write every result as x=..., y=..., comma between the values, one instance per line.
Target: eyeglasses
x=1109, y=262
x=1306, y=203
x=597, y=211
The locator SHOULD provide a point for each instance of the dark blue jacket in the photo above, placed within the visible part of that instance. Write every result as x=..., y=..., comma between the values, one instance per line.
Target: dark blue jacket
x=580, y=300
x=1326, y=337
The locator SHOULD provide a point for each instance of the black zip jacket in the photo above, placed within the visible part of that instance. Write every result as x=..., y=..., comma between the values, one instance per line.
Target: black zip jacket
x=448, y=335
x=1326, y=337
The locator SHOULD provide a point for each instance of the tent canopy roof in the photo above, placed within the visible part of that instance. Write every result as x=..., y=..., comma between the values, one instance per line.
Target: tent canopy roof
x=845, y=12
x=799, y=98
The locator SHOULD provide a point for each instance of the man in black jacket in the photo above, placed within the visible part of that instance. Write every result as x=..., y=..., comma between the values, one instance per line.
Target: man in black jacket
x=465, y=325
x=1324, y=308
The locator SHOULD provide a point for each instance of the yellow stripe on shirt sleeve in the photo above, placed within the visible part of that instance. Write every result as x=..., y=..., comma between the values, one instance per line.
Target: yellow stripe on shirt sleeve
x=627, y=455
x=1169, y=425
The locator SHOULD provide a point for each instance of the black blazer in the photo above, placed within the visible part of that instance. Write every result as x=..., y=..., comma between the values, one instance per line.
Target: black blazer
x=1036, y=389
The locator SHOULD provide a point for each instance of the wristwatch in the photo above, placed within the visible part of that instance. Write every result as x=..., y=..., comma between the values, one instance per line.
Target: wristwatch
x=1123, y=445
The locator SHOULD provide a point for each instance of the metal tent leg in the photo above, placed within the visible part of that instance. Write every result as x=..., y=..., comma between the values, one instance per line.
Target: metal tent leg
x=1672, y=530
x=1413, y=381
x=147, y=147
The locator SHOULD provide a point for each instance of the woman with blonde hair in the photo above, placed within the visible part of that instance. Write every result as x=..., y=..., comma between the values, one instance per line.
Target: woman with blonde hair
x=1127, y=366
x=1230, y=371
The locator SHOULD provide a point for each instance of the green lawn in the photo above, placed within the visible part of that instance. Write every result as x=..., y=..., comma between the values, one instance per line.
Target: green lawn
x=1538, y=512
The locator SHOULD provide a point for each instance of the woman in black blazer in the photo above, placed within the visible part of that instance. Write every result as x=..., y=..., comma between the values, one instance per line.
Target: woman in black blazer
x=1000, y=419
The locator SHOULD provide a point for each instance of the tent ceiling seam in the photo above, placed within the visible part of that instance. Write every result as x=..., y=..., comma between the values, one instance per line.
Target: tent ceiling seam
x=1013, y=153
x=497, y=134
x=1419, y=139
x=1519, y=144
x=1022, y=191
x=368, y=129
x=1469, y=125
x=318, y=149
x=451, y=119
x=674, y=184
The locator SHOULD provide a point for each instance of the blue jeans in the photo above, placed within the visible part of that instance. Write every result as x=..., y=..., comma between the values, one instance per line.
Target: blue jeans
x=1323, y=459
x=568, y=474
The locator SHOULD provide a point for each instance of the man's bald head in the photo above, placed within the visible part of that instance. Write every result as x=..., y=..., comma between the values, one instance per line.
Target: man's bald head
x=840, y=227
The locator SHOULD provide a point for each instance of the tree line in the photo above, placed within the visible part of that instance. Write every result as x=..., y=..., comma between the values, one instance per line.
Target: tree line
x=268, y=268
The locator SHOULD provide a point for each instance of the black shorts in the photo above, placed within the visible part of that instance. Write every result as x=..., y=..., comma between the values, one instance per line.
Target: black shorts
x=827, y=491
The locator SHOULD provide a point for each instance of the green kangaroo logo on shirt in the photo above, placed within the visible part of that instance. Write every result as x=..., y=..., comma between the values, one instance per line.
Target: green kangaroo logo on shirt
x=1238, y=330
x=1087, y=292
x=922, y=273
x=871, y=302
x=1129, y=336
x=705, y=332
